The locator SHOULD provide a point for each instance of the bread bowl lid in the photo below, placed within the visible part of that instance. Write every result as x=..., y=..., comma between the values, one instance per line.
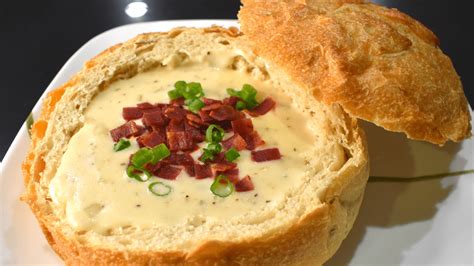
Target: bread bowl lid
x=378, y=64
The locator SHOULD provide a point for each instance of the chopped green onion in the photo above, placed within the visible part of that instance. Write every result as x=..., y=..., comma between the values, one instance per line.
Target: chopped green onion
x=248, y=95
x=214, y=147
x=211, y=150
x=138, y=174
x=121, y=145
x=160, y=152
x=195, y=105
x=240, y=105
x=142, y=157
x=180, y=85
x=173, y=94
x=222, y=186
x=214, y=133
x=232, y=154
x=206, y=155
x=159, y=189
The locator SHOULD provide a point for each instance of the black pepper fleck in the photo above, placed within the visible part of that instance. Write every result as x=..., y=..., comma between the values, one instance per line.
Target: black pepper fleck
x=294, y=149
x=138, y=205
x=214, y=203
x=187, y=196
x=256, y=195
x=267, y=201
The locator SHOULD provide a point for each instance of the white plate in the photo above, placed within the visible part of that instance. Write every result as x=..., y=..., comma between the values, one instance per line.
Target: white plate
x=419, y=222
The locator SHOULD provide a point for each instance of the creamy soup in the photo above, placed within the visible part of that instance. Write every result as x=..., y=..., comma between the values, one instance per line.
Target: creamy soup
x=92, y=183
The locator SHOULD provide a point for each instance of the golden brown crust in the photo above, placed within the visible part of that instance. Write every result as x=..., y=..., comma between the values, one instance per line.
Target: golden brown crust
x=311, y=241
x=377, y=63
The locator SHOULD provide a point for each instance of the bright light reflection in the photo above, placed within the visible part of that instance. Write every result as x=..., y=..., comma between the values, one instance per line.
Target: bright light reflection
x=136, y=9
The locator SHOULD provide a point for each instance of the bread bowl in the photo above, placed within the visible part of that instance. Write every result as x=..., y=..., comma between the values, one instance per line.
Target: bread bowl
x=292, y=243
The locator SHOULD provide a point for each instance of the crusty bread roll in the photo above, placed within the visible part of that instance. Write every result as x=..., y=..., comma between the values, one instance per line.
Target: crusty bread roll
x=305, y=227
x=377, y=63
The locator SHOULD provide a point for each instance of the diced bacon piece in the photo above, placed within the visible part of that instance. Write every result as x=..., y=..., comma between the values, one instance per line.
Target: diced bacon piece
x=175, y=126
x=244, y=184
x=151, y=139
x=202, y=171
x=208, y=101
x=225, y=112
x=168, y=172
x=235, y=141
x=266, y=155
x=242, y=126
x=124, y=131
x=179, y=141
x=211, y=107
x=180, y=159
x=153, y=168
x=196, y=135
x=141, y=131
x=232, y=175
x=177, y=102
x=194, y=118
x=153, y=118
x=226, y=125
x=232, y=100
x=222, y=167
x=190, y=170
x=131, y=113
x=206, y=118
x=219, y=158
x=175, y=113
x=145, y=105
x=253, y=140
x=263, y=108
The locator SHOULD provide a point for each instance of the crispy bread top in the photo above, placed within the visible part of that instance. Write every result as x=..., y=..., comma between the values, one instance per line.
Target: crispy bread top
x=377, y=63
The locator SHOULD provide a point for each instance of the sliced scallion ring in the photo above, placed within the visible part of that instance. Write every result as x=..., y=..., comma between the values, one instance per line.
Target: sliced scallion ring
x=121, y=144
x=138, y=174
x=222, y=186
x=159, y=189
x=214, y=133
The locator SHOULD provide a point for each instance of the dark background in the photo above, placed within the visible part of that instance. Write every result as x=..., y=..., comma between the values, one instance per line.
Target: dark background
x=37, y=37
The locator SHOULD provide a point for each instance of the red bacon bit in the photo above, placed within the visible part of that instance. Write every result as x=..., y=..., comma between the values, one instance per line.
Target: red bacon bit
x=266, y=155
x=190, y=170
x=177, y=102
x=175, y=113
x=180, y=159
x=263, y=108
x=141, y=131
x=205, y=116
x=124, y=131
x=253, y=140
x=168, y=172
x=175, y=126
x=232, y=175
x=154, y=118
x=194, y=133
x=194, y=118
x=243, y=126
x=179, y=141
x=151, y=139
x=202, y=171
x=131, y=113
x=208, y=101
x=222, y=167
x=244, y=184
x=211, y=107
x=145, y=106
x=232, y=100
x=225, y=112
x=235, y=141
